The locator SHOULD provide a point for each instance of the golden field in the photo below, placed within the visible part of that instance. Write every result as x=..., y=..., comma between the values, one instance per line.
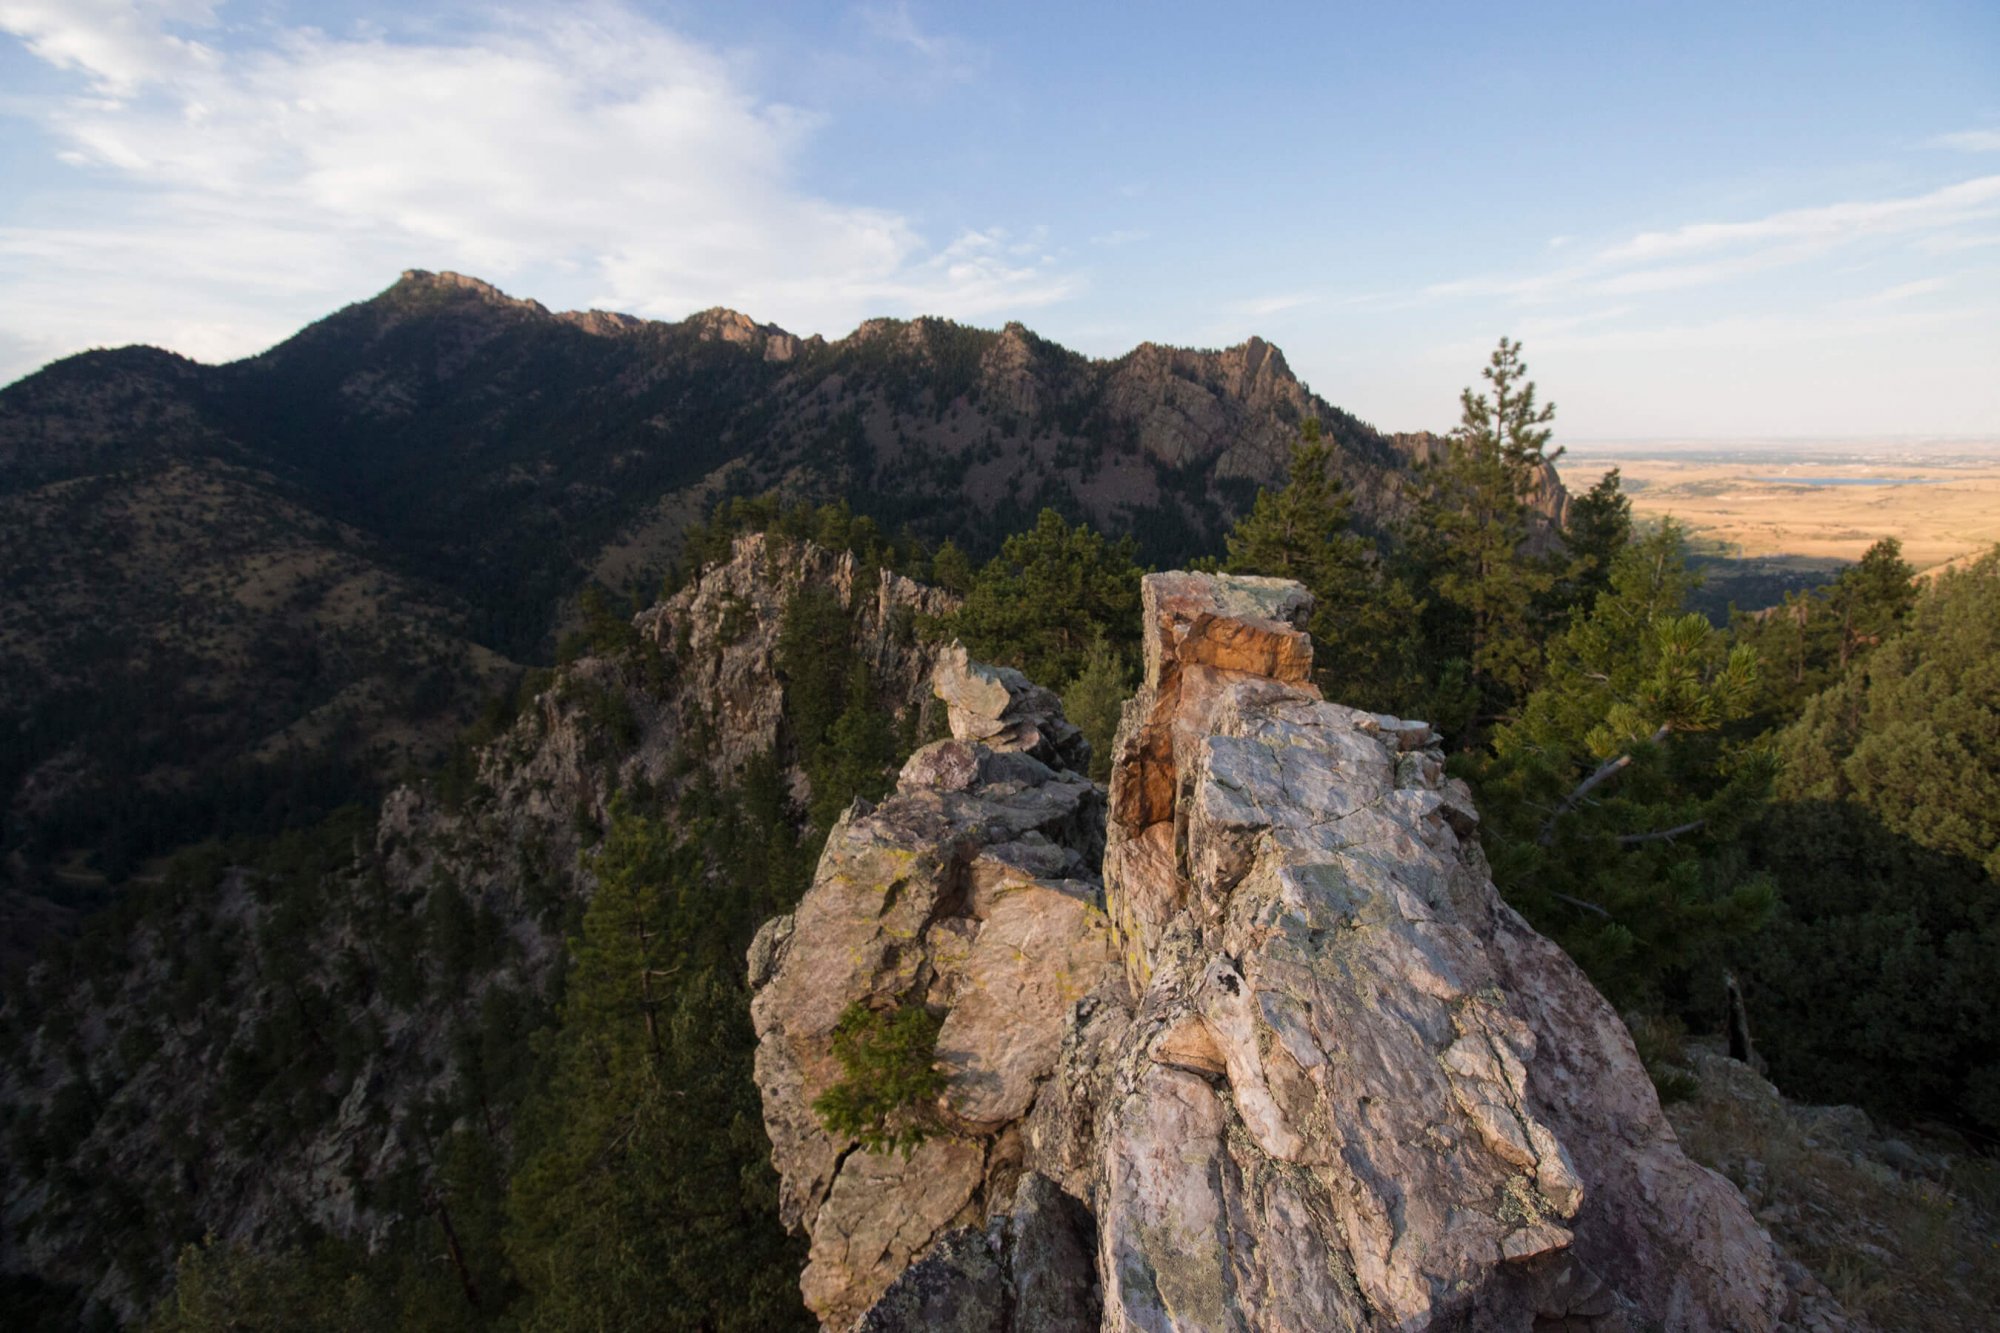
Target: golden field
x=1942, y=503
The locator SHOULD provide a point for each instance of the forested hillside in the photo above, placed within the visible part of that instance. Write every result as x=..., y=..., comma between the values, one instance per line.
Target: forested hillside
x=240, y=595
x=478, y=1055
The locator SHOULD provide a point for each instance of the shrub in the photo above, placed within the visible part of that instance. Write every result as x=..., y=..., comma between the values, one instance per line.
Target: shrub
x=891, y=1080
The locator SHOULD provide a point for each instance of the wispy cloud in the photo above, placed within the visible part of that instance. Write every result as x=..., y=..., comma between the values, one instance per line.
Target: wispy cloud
x=1122, y=236
x=1971, y=141
x=1704, y=253
x=946, y=56
x=1902, y=291
x=589, y=141
x=1260, y=306
x=120, y=45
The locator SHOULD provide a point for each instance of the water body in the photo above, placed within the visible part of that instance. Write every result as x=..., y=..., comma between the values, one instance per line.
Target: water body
x=1852, y=481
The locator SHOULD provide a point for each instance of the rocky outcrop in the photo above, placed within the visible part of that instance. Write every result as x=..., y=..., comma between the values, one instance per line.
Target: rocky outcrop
x=1001, y=707
x=1347, y=1050
x=1329, y=1080
x=972, y=890
x=722, y=633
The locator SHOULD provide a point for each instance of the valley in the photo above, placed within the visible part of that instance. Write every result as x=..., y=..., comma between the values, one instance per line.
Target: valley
x=1801, y=503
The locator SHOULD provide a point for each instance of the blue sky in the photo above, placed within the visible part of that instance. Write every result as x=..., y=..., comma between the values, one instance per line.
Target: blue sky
x=1704, y=220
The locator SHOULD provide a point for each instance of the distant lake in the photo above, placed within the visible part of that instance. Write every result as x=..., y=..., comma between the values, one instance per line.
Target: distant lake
x=1852, y=481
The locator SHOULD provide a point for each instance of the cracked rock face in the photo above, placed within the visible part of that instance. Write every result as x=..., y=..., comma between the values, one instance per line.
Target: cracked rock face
x=1304, y=1070
x=972, y=890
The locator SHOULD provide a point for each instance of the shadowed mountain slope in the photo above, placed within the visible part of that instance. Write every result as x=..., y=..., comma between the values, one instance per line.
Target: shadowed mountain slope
x=328, y=553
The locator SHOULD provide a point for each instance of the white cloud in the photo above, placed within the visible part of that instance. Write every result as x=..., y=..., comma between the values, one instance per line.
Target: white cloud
x=1971, y=141
x=1705, y=253
x=1271, y=305
x=1830, y=223
x=589, y=147
x=1122, y=236
x=120, y=44
x=1903, y=291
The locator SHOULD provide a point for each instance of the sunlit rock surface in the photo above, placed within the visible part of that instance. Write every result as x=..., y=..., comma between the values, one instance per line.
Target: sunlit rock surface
x=1302, y=1069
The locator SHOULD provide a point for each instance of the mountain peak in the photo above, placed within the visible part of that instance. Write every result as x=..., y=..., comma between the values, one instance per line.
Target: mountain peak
x=418, y=280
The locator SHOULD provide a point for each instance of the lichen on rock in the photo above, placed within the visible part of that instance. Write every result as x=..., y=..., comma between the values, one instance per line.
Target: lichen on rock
x=1293, y=1066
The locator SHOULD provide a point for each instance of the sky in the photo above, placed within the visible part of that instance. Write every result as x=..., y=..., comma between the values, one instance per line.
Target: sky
x=1703, y=220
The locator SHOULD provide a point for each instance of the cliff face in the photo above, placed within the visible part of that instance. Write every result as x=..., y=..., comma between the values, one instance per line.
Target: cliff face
x=265, y=1053
x=1292, y=1064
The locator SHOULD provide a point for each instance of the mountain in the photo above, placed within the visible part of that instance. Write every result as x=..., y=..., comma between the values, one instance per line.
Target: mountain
x=267, y=1047
x=238, y=595
x=1168, y=1076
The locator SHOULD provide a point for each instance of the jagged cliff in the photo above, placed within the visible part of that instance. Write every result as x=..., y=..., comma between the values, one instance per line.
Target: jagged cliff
x=306, y=569
x=1291, y=1063
x=267, y=1052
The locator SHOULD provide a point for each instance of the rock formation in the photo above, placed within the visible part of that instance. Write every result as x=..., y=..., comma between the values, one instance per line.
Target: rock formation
x=511, y=846
x=972, y=890
x=1293, y=1066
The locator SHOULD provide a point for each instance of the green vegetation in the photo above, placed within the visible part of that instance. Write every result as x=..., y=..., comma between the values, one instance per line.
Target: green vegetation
x=642, y=1197
x=1809, y=640
x=840, y=729
x=1049, y=595
x=1880, y=977
x=1469, y=544
x=554, y=1050
x=1607, y=801
x=1095, y=698
x=1365, y=619
x=890, y=1082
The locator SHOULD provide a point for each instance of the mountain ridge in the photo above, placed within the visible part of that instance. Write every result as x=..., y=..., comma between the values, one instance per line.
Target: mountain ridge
x=479, y=460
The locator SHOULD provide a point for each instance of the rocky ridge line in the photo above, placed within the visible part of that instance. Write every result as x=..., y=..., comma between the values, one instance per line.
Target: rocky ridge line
x=1298, y=1067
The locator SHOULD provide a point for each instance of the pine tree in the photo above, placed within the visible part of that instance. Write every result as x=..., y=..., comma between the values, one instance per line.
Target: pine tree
x=641, y=1200
x=1051, y=590
x=1471, y=535
x=950, y=569
x=860, y=747
x=1609, y=803
x=1816, y=634
x=1879, y=979
x=1597, y=526
x=1365, y=623
x=1095, y=697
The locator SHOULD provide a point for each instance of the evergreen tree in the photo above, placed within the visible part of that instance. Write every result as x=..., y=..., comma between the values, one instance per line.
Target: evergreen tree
x=642, y=1199
x=1912, y=733
x=1471, y=538
x=1051, y=590
x=860, y=748
x=221, y=1288
x=1816, y=634
x=887, y=1094
x=1095, y=697
x=1364, y=624
x=1610, y=801
x=1880, y=977
x=813, y=659
x=950, y=569
x=1597, y=526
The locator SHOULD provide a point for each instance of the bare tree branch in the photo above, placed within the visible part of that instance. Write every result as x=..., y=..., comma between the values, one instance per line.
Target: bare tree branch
x=1606, y=771
x=1629, y=839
